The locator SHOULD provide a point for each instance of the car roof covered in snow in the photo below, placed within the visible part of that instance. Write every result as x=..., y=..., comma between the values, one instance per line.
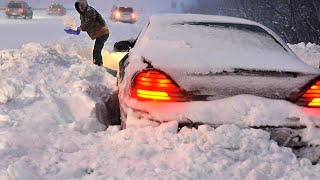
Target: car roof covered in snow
x=205, y=44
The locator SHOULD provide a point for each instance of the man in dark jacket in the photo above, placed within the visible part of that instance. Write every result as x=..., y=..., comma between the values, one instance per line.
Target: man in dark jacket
x=93, y=23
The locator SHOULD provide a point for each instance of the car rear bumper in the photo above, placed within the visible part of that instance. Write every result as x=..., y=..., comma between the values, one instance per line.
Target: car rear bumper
x=55, y=13
x=15, y=14
x=125, y=19
x=242, y=110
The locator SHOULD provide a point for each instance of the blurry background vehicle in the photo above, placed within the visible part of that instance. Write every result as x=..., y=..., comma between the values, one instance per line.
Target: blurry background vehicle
x=19, y=9
x=57, y=9
x=123, y=14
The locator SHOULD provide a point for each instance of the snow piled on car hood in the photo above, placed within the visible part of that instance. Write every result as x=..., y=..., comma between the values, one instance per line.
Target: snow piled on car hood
x=49, y=130
x=173, y=44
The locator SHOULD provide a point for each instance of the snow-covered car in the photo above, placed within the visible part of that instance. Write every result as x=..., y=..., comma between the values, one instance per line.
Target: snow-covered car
x=199, y=69
x=123, y=14
x=18, y=8
x=56, y=9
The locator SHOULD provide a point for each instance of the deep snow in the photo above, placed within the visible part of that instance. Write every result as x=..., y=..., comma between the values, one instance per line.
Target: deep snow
x=49, y=130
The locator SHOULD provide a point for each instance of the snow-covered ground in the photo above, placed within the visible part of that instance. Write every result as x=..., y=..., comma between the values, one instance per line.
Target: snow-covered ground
x=49, y=93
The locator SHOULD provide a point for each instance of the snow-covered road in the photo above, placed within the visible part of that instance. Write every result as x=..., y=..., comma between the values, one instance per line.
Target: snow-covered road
x=16, y=32
x=46, y=29
x=49, y=92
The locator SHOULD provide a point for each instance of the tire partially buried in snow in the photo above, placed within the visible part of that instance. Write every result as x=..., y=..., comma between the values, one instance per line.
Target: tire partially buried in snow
x=109, y=113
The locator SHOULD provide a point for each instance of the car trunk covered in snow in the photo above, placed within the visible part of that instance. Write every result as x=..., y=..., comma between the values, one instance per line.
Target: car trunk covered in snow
x=264, y=84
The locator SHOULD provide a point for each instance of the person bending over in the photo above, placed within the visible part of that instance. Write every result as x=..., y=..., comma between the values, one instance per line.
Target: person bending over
x=94, y=24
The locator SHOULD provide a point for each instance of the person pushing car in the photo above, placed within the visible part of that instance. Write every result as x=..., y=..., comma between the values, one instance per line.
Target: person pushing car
x=94, y=24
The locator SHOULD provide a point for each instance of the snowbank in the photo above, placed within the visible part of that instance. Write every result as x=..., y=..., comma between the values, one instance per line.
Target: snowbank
x=156, y=153
x=45, y=87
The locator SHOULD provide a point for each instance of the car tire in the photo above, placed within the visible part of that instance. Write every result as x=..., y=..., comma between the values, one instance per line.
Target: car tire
x=112, y=110
x=9, y=17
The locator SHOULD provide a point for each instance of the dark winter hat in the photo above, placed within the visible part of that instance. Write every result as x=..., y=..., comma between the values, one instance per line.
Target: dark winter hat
x=84, y=3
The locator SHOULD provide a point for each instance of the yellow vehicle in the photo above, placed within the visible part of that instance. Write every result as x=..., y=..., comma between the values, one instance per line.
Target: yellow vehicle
x=111, y=60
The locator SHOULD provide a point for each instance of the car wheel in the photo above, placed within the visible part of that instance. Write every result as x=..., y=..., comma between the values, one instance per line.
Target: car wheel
x=112, y=110
x=8, y=16
x=15, y=17
x=31, y=16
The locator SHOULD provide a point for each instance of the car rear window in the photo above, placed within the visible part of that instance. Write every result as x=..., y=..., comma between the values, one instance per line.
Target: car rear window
x=241, y=27
x=126, y=9
x=14, y=5
x=221, y=37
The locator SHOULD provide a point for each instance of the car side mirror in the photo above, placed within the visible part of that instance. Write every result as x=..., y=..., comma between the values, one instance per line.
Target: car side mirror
x=122, y=46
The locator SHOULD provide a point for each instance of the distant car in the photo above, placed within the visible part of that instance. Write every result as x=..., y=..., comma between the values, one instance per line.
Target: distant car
x=179, y=63
x=19, y=9
x=57, y=9
x=123, y=14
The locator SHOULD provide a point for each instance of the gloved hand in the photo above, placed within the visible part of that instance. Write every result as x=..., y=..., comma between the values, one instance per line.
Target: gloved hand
x=71, y=31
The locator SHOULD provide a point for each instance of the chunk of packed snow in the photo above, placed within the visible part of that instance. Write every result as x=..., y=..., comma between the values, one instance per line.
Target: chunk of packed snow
x=9, y=89
x=307, y=52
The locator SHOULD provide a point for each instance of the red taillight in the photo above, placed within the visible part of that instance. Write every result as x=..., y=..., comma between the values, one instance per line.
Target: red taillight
x=59, y=10
x=21, y=10
x=8, y=10
x=133, y=15
x=48, y=9
x=154, y=85
x=311, y=98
